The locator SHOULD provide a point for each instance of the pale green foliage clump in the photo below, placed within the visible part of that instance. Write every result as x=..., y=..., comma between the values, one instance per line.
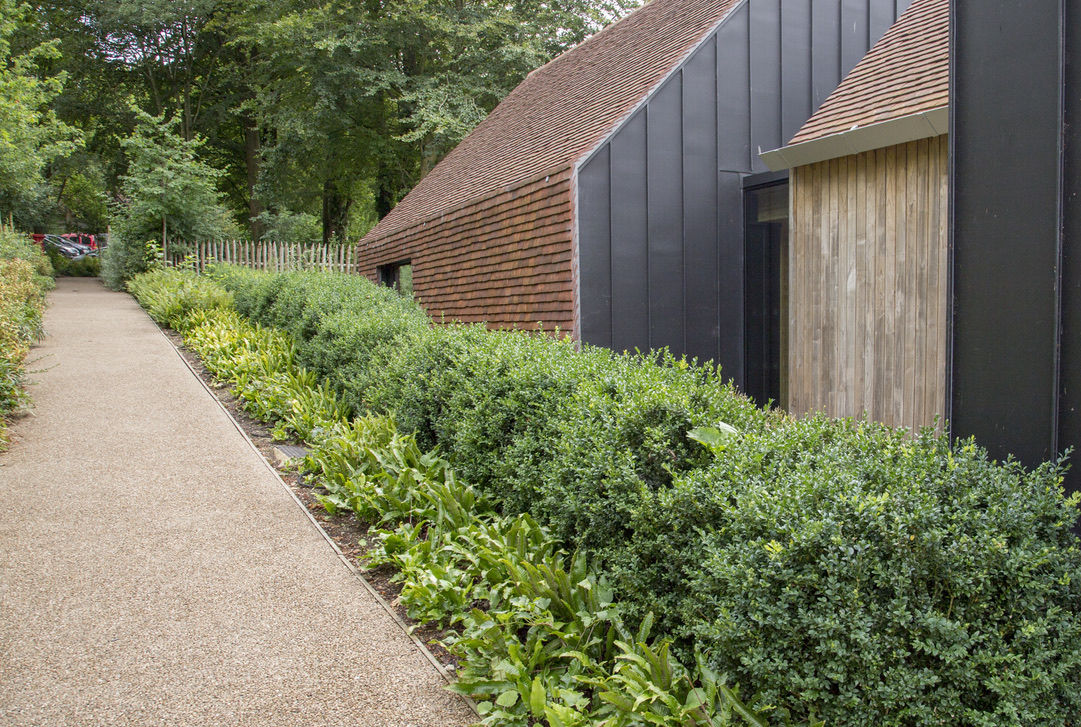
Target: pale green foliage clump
x=24, y=279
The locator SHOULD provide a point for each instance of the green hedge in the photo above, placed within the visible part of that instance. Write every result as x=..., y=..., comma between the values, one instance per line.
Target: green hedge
x=880, y=578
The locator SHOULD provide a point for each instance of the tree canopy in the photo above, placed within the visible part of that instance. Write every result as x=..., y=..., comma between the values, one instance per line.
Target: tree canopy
x=31, y=134
x=313, y=118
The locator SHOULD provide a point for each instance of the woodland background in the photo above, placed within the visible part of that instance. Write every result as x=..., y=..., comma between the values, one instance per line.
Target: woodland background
x=301, y=120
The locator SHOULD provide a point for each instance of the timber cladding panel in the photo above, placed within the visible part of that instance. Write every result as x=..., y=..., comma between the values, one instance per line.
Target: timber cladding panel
x=504, y=260
x=868, y=291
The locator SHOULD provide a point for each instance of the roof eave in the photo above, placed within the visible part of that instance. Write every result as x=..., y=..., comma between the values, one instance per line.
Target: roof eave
x=901, y=130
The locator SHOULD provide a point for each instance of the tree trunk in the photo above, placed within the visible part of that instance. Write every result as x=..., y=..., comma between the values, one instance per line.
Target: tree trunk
x=335, y=212
x=384, y=193
x=251, y=162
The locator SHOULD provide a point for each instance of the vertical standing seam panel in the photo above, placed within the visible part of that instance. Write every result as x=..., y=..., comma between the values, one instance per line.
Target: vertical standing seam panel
x=826, y=50
x=700, y=203
x=765, y=75
x=881, y=14
x=664, y=157
x=795, y=66
x=1006, y=231
x=733, y=158
x=594, y=249
x=731, y=252
x=854, y=33
x=733, y=93
x=1070, y=381
x=630, y=282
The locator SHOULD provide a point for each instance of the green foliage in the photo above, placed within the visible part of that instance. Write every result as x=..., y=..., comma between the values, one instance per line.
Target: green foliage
x=167, y=190
x=849, y=572
x=31, y=135
x=125, y=258
x=536, y=631
x=83, y=199
x=87, y=267
x=313, y=112
x=24, y=280
x=171, y=295
x=296, y=227
x=884, y=579
x=259, y=362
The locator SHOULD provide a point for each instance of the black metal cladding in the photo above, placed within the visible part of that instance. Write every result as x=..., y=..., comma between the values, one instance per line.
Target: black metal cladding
x=1006, y=232
x=1015, y=231
x=660, y=205
x=1070, y=367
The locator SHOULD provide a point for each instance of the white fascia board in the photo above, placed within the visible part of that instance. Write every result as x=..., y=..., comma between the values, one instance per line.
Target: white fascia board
x=859, y=139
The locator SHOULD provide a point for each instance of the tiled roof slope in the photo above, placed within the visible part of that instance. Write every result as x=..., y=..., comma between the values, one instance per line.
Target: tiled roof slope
x=561, y=110
x=905, y=73
x=504, y=260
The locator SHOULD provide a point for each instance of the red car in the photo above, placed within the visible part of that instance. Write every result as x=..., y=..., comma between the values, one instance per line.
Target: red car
x=80, y=237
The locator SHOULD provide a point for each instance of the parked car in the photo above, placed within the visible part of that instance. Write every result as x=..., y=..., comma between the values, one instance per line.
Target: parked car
x=68, y=248
x=81, y=238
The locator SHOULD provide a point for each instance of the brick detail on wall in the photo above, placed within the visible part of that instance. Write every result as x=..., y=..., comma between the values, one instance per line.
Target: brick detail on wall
x=504, y=260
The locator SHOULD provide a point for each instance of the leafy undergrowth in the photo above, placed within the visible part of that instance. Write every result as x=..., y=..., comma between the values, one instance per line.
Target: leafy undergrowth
x=25, y=278
x=535, y=629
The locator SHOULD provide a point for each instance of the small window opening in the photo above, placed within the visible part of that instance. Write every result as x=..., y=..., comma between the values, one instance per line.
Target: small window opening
x=398, y=276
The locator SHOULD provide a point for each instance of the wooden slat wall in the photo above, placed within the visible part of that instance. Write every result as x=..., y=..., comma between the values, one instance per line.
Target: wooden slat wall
x=868, y=284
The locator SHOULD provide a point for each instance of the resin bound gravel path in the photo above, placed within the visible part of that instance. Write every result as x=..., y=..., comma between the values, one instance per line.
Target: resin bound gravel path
x=153, y=571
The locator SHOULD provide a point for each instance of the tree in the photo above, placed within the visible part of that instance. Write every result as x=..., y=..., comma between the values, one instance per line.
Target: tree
x=363, y=97
x=168, y=193
x=31, y=135
x=324, y=109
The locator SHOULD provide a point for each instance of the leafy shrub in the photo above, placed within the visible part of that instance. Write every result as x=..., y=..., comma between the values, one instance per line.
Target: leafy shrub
x=87, y=267
x=125, y=257
x=24, y=280
x=170, y=295
x=547, y=641
x=838, y=566
x=539, y=637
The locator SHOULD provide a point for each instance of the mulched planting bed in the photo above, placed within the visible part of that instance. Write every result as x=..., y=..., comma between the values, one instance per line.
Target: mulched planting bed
x=345, y=530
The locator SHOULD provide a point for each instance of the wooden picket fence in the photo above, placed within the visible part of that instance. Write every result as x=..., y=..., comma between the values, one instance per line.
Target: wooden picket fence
x=265, y=255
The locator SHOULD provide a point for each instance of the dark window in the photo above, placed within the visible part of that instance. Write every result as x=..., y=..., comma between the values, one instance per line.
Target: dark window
x=398, y=276
x=766, y=239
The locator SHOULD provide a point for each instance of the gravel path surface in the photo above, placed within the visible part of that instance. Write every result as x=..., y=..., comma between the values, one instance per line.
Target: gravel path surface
x=154, y=572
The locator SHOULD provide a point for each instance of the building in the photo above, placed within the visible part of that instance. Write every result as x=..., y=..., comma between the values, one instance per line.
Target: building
x=868, y=284
x=852, y=207
x=604, y=195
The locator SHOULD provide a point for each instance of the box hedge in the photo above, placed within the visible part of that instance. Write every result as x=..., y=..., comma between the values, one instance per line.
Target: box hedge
x=877, y=577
